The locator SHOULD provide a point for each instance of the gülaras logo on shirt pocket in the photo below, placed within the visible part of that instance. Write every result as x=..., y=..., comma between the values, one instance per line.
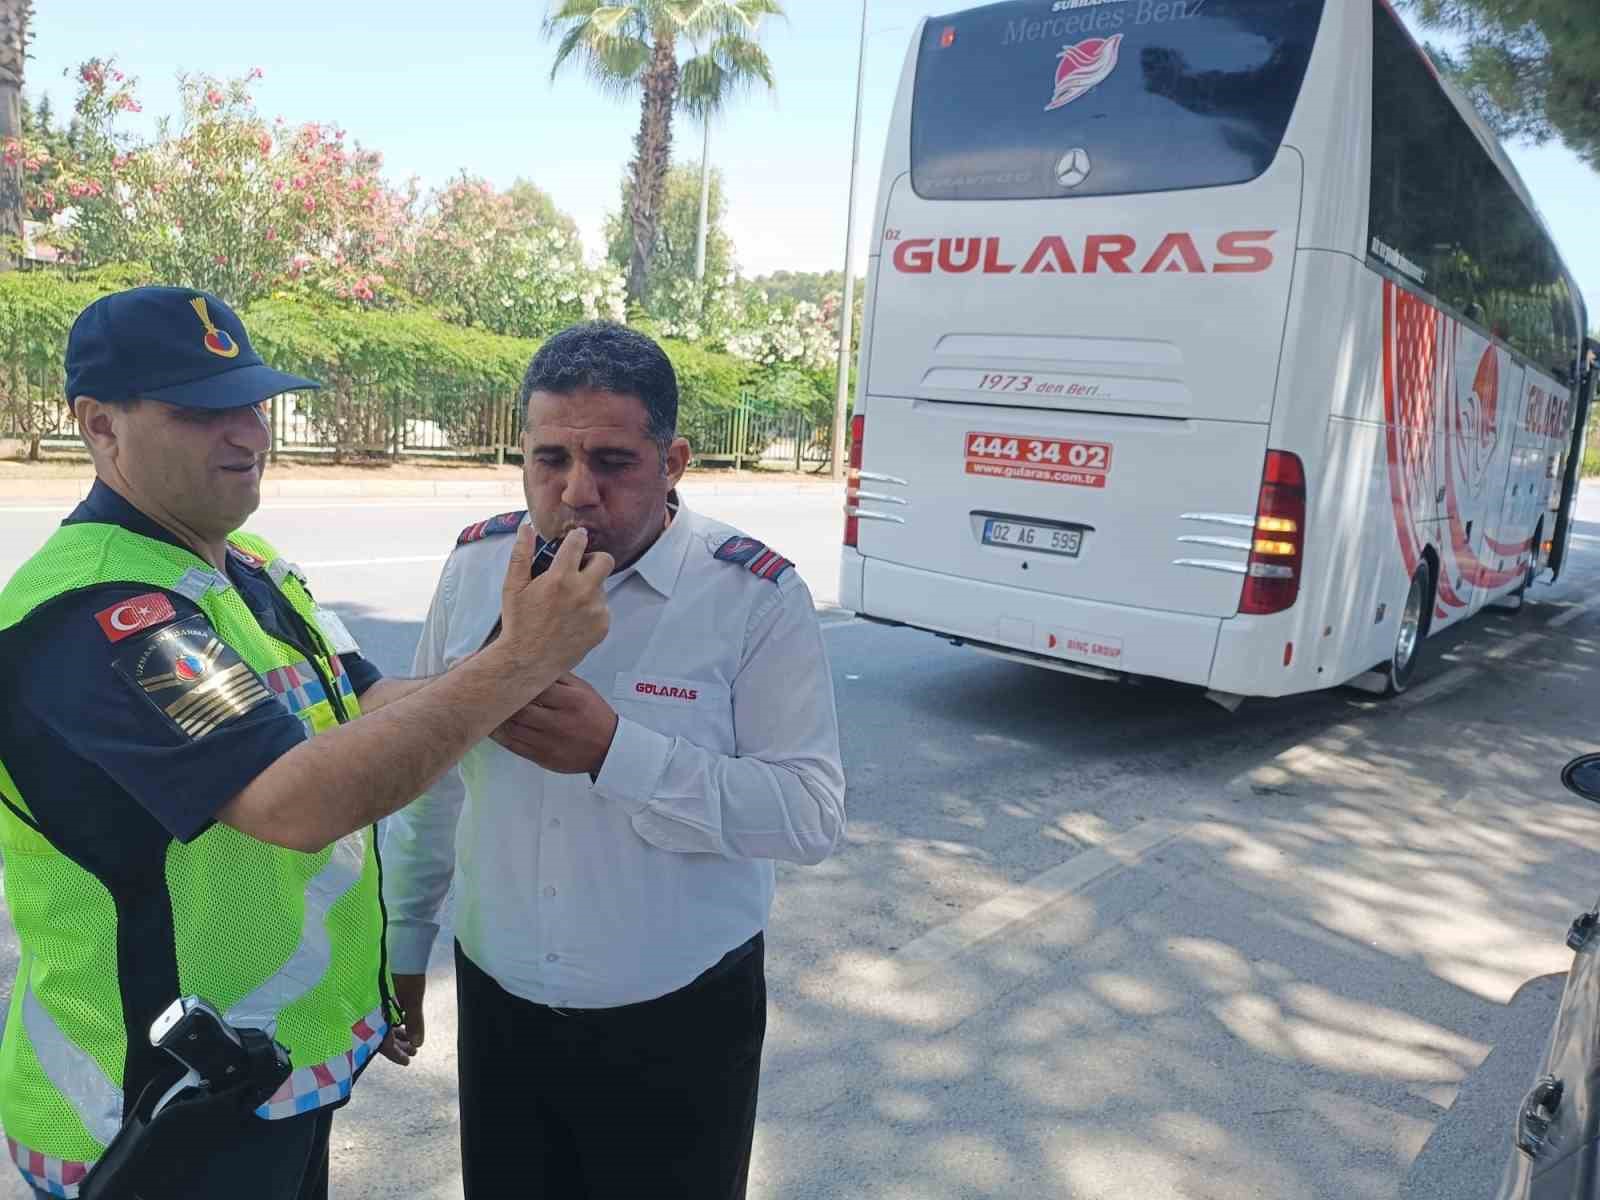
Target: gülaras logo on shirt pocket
x=662, y=689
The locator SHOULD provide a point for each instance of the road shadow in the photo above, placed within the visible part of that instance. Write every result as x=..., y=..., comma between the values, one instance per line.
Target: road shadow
x=1321, y=990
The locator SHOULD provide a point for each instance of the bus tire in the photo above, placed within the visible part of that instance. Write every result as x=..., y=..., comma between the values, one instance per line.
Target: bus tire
x=1415, y=619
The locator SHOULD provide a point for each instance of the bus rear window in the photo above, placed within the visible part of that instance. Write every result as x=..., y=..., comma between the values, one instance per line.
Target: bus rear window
x=1034, y=99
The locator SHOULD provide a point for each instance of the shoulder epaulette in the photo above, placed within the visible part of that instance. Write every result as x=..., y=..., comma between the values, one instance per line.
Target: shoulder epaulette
x=754, y=557
x=504, y=523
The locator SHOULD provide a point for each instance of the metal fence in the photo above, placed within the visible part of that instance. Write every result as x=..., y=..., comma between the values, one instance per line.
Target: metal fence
x=365, y=422
x=360, y=420
x=748, y=436
x=33, y=409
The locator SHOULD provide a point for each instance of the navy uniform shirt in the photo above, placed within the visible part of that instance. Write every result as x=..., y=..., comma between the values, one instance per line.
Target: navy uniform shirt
x=109, y=776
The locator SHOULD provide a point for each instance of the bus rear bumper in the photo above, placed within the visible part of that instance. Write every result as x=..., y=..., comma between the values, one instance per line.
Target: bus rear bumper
x=1109, y=637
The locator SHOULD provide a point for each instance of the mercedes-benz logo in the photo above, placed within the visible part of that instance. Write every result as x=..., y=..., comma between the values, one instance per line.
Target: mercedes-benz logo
x=1073, y=168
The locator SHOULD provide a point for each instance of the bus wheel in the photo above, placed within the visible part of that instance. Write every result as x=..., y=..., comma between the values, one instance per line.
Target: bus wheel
x=1414, y=621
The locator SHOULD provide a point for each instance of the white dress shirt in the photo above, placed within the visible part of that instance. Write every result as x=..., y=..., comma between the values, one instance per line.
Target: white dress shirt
x=581, y=894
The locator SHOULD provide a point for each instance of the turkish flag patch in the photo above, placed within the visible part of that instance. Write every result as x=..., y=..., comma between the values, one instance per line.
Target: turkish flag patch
x=129, y=617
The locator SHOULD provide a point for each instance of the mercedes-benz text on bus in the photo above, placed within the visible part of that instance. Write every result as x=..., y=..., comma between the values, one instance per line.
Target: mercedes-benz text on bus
x=1212, y=340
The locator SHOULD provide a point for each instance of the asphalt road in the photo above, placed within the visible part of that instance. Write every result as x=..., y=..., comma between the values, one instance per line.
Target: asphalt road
x=1094, y=941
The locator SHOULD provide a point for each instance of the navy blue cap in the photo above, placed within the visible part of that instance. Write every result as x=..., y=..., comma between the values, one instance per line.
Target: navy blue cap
x=173, y=344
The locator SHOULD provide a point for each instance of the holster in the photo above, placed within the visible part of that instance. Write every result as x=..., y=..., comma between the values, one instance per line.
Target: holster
x=200, y=1117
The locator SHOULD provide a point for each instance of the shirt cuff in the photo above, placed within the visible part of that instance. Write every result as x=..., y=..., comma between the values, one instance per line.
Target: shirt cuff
x=410, y=944
x=633, y=766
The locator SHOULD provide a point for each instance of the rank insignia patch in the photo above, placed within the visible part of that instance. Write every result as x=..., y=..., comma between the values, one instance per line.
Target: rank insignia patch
x=754, y=557
x=197, y=682
x=504, y=523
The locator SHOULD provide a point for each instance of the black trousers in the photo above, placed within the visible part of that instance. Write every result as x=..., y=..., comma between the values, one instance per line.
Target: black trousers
x=655, y=1099
x=252, y=1160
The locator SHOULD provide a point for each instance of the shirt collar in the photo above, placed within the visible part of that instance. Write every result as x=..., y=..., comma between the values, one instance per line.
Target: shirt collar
x=661, y=565
x=104, y=505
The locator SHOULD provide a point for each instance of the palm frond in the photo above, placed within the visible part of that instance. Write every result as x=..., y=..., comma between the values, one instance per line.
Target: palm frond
x=605, y=39
x=608, y=20
x=702, y=85
x=730, y=68
x=745, y=63
x=616, y=67
x=571, y=42
x=726, y=18
x=565, y=13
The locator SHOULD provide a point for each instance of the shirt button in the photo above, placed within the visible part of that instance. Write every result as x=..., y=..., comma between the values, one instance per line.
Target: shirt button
x=549, y=891
x=551, y=957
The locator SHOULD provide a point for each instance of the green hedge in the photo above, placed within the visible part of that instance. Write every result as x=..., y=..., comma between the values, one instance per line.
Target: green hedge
x=709, y=386
x=377, y=367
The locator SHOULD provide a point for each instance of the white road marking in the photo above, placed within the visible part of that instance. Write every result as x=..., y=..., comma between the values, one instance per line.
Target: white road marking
x=1571, y=615
x=1507, y=648
x=923, y=956
x=478, y=502
x=374, y=562
x=1452, y=679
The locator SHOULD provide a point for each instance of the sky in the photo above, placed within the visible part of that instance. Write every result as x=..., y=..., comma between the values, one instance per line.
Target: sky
x=476, y=93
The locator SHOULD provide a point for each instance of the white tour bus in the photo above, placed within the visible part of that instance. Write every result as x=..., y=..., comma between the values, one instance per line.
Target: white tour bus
x=1212, y=340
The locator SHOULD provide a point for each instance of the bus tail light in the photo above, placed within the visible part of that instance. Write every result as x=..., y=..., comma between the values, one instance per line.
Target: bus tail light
x=1277, y=545
x=852, y=523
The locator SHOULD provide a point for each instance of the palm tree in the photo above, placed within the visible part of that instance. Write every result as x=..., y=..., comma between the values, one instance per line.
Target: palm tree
x=14, y=18
x=628, y=46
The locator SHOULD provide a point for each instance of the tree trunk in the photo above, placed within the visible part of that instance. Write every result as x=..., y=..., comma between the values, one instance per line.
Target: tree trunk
x=652, y=157
x=14, y=16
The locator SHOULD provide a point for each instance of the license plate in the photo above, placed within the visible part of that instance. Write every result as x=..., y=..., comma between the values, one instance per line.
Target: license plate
x=1047, y=539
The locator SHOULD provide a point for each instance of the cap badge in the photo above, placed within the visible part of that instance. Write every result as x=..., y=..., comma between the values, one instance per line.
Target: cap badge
x=217, y=341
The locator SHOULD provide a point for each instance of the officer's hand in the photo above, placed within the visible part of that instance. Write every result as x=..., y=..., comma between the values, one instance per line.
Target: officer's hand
x=568, y=729
x=409, y=990
x=397, y=1047
x=553, y=621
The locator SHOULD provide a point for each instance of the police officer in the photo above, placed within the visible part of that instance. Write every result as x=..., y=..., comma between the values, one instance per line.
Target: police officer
x=188, y=799
x=614, y=856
